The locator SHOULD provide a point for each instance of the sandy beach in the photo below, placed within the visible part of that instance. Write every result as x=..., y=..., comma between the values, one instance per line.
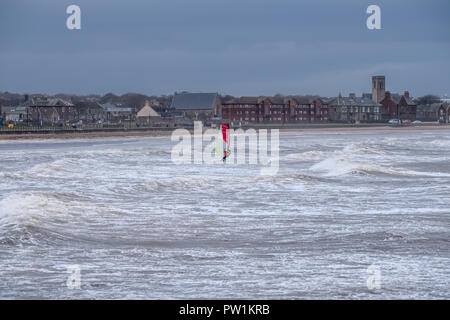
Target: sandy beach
x=83, y=135
x=160, y=133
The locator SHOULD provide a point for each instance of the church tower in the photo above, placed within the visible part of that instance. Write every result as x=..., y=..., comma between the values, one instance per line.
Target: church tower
x=378, y=88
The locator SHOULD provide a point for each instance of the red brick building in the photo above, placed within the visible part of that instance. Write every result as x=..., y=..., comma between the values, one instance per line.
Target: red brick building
x=276, y=110
x=407, y=107
x=389, y=107
x=403, y=108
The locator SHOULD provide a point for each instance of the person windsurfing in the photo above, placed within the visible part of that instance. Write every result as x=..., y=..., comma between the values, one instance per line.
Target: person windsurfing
x=226, y=140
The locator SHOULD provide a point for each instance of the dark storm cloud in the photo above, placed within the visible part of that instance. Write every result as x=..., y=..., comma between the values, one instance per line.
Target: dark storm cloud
x=238, y=47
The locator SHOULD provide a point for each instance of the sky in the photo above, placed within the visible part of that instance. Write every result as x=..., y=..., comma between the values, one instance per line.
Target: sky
x=236, y=47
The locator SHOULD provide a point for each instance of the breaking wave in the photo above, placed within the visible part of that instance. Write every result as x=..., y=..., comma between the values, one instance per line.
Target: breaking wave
x=57, y=167
x=44, y=217
x=360, y=149
x=22, y=215
x=336, y=166
x=340, y=166
x=307, y=155
x=30, y=207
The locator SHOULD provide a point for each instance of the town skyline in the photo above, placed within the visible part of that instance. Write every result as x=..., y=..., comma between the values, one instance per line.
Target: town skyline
x=184, y=108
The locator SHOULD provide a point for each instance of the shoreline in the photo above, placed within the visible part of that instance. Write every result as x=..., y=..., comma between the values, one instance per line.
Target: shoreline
x=162, y=133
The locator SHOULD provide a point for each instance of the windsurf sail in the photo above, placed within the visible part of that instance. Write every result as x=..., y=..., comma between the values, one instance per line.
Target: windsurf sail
x=223, y=141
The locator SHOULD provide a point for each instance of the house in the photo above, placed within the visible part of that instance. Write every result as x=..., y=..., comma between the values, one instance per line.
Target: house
x=90, y=112
x=49, y=111
x=354, y=109
x=116, y=113
x=434, y=112
x=14, y=114
x=407, y=107
x=394, y=107
x=274, y=110
x=197, y=106
x=389, y=107
x=147, y=115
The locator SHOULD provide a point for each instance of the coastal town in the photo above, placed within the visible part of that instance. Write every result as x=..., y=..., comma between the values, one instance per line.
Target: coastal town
x=59, y=112
x=225, y=159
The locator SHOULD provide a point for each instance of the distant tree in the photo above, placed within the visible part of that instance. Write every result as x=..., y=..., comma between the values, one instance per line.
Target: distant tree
x=428, y=99
x=226, y=97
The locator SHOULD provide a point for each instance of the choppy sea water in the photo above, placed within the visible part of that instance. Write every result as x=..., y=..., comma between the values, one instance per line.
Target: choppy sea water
x=139, y=226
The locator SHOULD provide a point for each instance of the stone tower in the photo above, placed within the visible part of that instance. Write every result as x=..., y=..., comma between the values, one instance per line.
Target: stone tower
x=378, y=88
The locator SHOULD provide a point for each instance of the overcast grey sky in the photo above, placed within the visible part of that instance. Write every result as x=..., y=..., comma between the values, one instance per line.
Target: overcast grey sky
x=238, y=47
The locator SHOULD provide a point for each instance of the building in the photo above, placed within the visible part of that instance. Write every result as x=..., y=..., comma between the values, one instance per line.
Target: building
x=354, y=109
x=116, y=113
x=378, y=88
x=389, y=107
x=444, y=113
x=250, y=110
x=49, y=111
x=90, y=112
x=196, y=106
x=403, y=107
x=435, y=112
x=407, y=107
x=274, y=110
x=306, y=110
x=147, y=116
x=14, y=114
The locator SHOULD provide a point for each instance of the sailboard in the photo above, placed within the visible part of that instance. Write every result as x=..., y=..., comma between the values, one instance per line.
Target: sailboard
x=223, y=141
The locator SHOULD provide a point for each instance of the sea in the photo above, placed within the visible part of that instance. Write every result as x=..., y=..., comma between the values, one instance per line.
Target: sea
x=353, y=214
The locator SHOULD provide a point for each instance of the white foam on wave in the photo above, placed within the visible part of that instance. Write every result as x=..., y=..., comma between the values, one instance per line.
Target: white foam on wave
x=364, y=148
x=307, y=155
x=50, y=168
x=441, y=143
x=354, y=149
x=337, y=166
x=178, y=182
x=423, y=173
x=31, y=206
x=368, y=158
x=36, y=207
x=59, y=167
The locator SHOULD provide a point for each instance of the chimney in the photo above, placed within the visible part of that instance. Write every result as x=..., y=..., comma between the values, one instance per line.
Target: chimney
x=387, y=95
x=406, y=94
x=352, y=95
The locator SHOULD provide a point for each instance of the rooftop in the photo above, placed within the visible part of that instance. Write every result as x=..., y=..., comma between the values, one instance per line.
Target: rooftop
x=47, y=102
x=356, y=101
x=194, y=101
